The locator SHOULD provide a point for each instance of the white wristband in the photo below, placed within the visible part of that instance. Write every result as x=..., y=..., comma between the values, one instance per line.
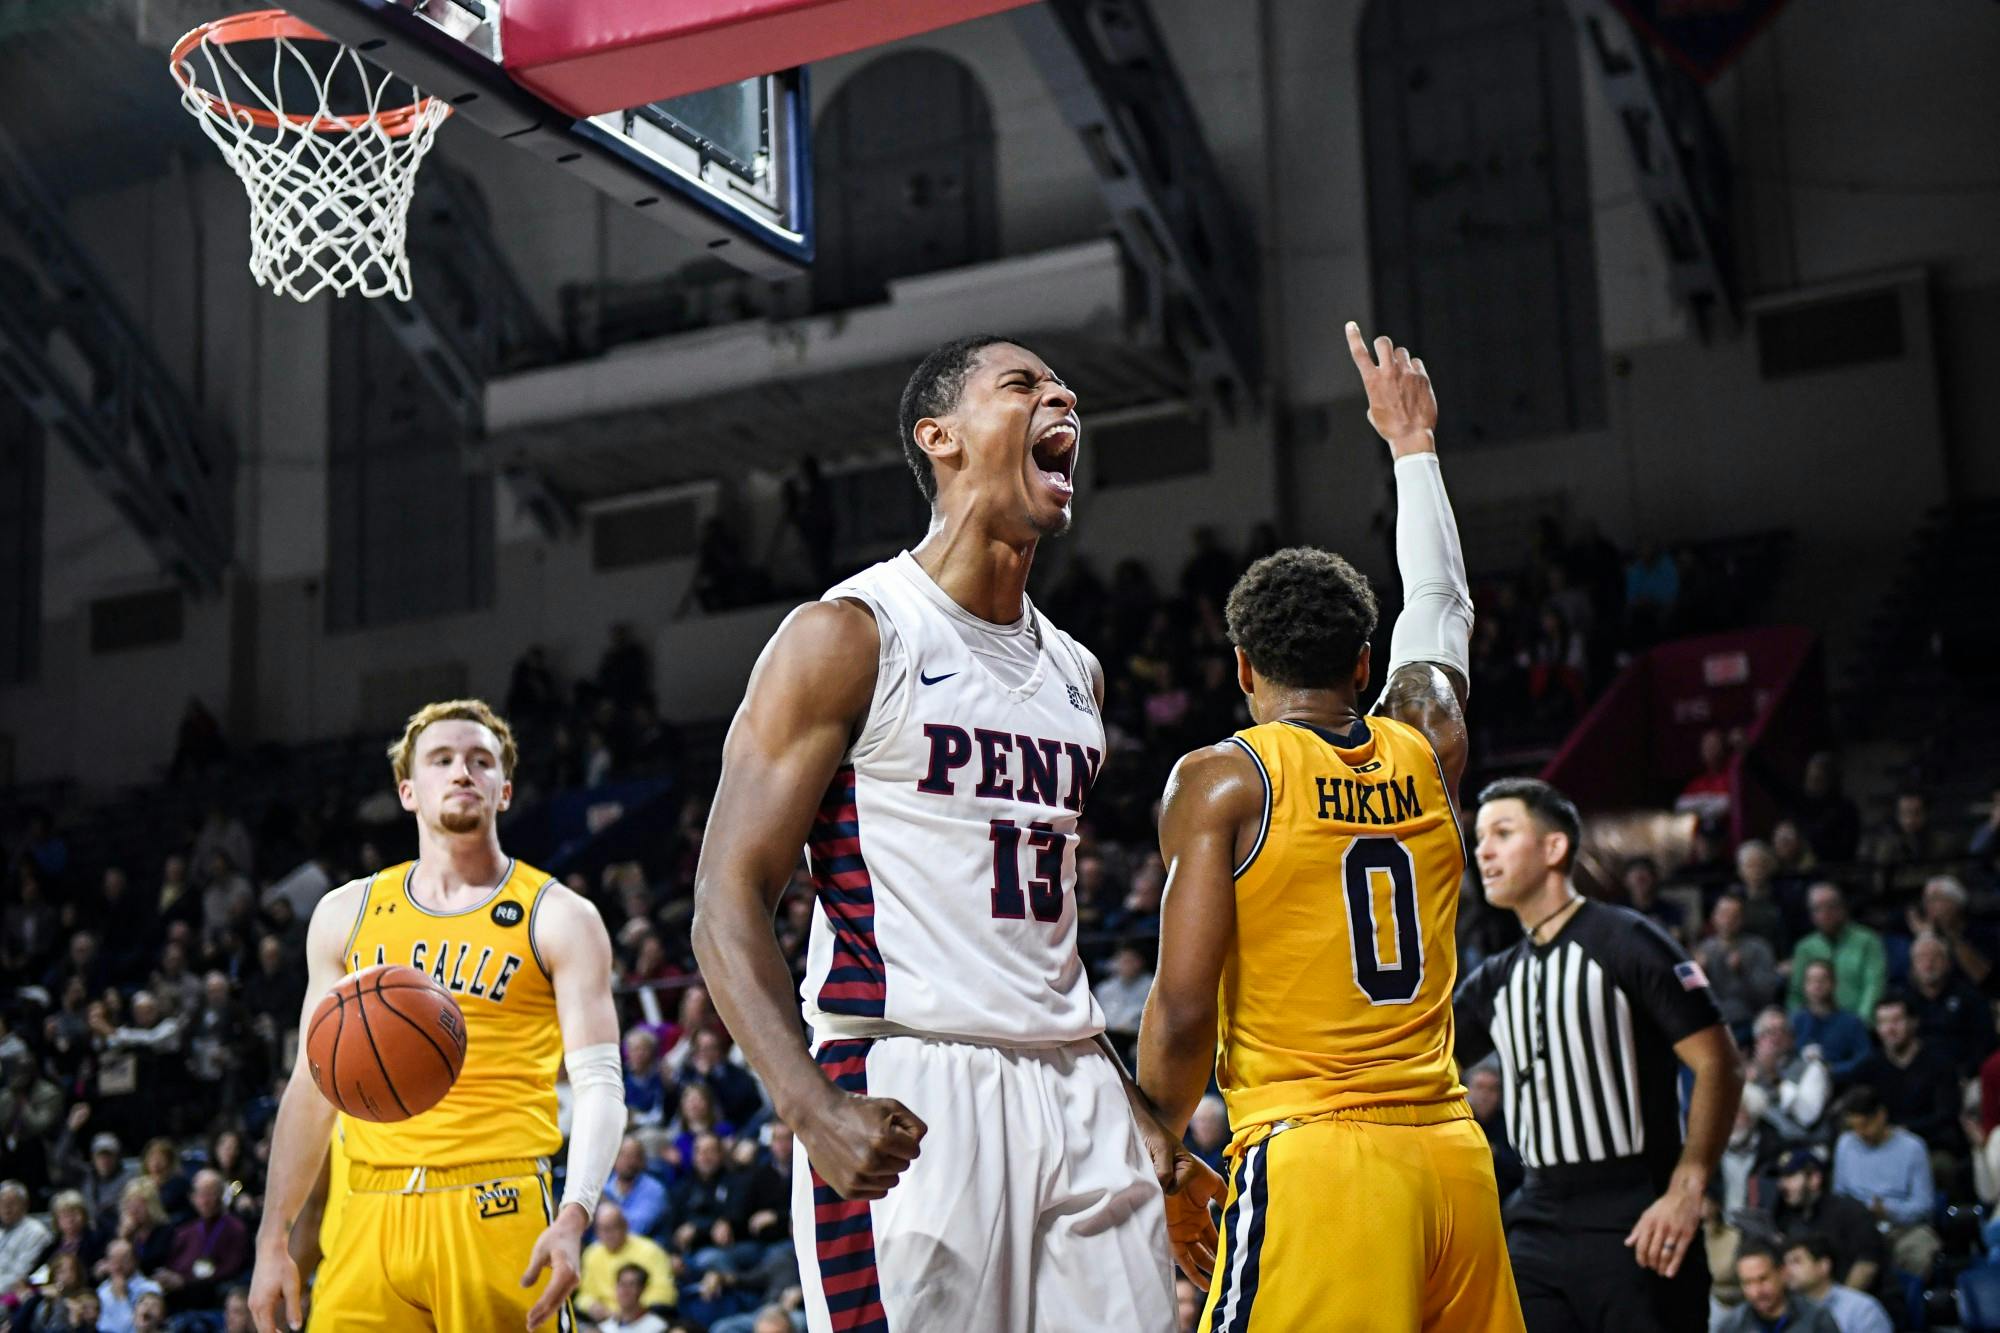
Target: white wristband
x=1436, y=621
x=597, y=1122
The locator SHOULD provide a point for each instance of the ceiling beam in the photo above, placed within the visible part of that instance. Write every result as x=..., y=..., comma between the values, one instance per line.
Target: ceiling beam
x=1679, y=162
x=1114, y=80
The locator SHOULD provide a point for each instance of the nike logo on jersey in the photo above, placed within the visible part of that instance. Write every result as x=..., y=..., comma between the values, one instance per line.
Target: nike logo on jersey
x=932, y=680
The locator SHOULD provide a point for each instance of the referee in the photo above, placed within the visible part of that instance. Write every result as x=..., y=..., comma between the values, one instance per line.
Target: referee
x=1592, y=1014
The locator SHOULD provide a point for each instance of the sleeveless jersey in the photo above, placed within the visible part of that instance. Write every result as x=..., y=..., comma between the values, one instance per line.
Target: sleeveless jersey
x=504, y=1103
x=1337, y=991
x=944, y=853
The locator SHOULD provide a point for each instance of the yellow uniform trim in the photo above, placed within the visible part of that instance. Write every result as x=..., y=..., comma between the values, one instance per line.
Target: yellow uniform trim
x=362, y=1179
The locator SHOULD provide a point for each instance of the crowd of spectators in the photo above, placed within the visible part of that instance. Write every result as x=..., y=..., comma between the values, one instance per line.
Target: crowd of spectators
x=1856, y=967
x=148, y=1009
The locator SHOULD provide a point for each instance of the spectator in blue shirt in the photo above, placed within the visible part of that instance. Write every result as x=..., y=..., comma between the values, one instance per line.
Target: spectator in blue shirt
x=1887, y=1170
x=643, y=1199
x=1809, y=1273
x=645, y=1090
x=1841, y=1037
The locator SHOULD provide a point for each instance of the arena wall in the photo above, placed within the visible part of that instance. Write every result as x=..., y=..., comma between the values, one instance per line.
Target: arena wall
x=1833, y=115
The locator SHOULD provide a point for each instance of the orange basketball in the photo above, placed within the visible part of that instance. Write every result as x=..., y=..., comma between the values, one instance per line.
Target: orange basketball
x=386, y=1043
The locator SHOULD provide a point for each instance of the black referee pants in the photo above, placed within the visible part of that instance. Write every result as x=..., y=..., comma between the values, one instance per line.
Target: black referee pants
x=1576, y=1274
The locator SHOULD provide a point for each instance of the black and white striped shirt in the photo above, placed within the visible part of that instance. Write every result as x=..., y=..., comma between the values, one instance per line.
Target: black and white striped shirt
x=1585, y=1027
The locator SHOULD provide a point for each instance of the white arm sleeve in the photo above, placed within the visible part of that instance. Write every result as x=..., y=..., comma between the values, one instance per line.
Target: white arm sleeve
x=597, y=1122
x=1436, y=623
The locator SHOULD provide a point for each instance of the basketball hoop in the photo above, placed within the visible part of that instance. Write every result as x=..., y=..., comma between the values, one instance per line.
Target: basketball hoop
x=329, y=192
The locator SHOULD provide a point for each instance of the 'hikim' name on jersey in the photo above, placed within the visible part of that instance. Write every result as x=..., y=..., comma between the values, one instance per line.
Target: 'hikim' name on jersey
x=486, y=981
x=1377, y=803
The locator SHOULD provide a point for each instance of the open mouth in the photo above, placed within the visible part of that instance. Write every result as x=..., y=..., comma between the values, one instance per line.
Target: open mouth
x=1054, y=452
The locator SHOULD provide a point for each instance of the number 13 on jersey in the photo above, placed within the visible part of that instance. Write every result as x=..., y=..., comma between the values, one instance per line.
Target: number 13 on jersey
x=1045, y=894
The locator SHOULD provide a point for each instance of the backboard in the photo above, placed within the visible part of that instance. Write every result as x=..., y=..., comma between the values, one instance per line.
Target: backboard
x=729, y=167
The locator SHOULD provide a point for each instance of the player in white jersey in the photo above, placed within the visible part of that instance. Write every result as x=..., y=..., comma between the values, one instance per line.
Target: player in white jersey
x=930, y=738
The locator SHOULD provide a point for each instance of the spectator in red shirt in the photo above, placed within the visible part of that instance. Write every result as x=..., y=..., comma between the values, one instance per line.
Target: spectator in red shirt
x=1707, y=794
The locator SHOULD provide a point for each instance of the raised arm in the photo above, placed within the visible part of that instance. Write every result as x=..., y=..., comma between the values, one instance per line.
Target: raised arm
x=807, y=696
x=571, y=941
x=1430, y=649
x=305, y=1123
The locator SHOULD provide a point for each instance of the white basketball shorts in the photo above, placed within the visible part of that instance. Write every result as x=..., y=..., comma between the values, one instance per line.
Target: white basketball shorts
x=1032, y=1207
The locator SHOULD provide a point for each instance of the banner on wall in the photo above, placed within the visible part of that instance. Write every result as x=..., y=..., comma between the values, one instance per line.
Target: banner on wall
x=1703, y=37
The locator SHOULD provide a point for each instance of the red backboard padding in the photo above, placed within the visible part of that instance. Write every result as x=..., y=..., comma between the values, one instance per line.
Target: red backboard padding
x=592, y=56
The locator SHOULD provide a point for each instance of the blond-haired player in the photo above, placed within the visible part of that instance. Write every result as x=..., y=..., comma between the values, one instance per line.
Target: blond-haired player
x=448, y=1221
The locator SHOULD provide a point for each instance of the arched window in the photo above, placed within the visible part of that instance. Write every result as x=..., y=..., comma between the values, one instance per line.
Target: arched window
x=409, y=529
x=1479, y=208
x=903, y=180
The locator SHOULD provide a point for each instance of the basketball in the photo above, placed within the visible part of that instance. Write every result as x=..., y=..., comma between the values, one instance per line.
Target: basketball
x=386, y=1043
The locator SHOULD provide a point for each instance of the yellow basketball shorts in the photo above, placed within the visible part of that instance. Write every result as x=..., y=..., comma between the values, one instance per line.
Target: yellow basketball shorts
x=439, y=1250
x=1383, y=1219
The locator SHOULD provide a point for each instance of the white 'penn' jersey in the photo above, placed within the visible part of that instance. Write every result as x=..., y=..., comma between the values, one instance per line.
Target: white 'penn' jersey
x=944, y=854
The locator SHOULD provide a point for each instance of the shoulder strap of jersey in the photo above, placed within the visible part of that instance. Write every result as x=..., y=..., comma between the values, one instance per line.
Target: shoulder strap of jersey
x=387, y=880
x=1416, y=737
x=898, y=617
x=533, y=885
x=1264, y=825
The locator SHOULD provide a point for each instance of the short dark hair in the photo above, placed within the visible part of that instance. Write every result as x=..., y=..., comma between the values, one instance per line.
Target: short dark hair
x=1757, y=1249
x=1862, y=1101
x=644, y=1276
x=1549, y=808
x=1302, y=616
x=1814, y=1243
x=933, y=390
x=1897, y=998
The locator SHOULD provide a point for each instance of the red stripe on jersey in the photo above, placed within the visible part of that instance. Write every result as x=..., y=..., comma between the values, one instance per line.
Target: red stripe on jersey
x=870, y=1315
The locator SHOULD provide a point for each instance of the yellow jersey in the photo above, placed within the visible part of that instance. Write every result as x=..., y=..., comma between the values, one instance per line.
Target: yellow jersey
x=504, y=1103
x=1337, y=991
x=336, y=1192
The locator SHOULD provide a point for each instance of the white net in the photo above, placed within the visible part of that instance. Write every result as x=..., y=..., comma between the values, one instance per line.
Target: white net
x=329, y=192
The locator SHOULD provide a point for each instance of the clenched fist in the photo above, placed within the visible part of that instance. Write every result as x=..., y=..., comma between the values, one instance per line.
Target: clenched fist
x=860, y=1145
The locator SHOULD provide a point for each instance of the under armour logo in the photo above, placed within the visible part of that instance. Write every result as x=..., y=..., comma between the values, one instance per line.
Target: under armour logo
x=390, y=909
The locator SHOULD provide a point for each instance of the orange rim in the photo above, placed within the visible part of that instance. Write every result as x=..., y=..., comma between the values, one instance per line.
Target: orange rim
x=272, y=25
